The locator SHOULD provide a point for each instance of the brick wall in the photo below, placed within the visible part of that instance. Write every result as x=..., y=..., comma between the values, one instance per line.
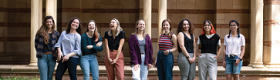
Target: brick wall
x=15, y=20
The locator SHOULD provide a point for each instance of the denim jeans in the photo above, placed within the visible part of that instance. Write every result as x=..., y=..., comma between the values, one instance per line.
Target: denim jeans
x=230, y=67
x=165, y=66
x=71, y=65
x=142, y=72
x=89, y=63
x=46, y=66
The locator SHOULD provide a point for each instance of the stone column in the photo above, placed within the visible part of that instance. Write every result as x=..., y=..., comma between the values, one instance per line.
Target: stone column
x=51, y=10
x=256, y=59
x=36, y=22
x=271, y=37
x=162, y=13
x=147, y=16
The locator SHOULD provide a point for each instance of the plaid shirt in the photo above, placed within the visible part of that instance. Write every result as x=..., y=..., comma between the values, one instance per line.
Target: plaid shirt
x=39, y=43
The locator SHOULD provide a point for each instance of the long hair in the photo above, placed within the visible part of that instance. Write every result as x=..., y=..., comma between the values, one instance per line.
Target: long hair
x=181, y=29
x=95, y=34
x=136, y=28
x=79, y=30
x=43, y=30
x=238, y=32
x=118, y=30
x=170, y=29
x=212, y=31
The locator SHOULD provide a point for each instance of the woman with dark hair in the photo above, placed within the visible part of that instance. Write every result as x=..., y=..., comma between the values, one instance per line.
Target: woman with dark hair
x=114, y=59
x=91, y=44
x=167, y=45
x=141, y=52
x=45, y=39
x=69, y=49
x=234, y=48
x=208, y=44
x=187, y=47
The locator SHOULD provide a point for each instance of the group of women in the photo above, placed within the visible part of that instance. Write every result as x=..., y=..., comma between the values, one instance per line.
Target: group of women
x=70, y=49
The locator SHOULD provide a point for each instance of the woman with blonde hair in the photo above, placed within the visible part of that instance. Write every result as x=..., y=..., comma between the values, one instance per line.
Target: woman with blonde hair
x=114, y=59
x=141, y=52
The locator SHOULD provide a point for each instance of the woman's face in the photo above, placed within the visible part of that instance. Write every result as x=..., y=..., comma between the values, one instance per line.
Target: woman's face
x=186, y=26
x=91, y=26
x=113, y=25
x=166, y=26
x=49, y=23
x=233, y=26
x=207, y=27
x=141, y=25
x=75, y=24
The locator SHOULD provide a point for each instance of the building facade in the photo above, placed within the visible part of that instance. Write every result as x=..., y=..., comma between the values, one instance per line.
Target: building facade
x=259, y=23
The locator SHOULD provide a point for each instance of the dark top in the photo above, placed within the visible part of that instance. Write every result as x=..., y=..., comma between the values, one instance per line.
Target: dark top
x=114, y=43
x=48, y=47
x=209, y=45
x=188, y=43
x=134, y=49
x=85, y=41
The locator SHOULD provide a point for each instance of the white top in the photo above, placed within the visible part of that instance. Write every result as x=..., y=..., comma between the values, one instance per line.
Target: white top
x=234, y=44
x=69, y=43
x=209, y=36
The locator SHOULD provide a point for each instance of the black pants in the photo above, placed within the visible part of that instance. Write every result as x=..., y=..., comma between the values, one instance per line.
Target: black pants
x=71, y=65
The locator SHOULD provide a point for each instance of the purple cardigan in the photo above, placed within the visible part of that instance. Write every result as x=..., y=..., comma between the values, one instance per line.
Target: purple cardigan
x=134, y=49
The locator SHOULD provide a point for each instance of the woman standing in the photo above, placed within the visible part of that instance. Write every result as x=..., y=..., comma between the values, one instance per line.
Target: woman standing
x=186, y=57
x=45, y=39
x=141, y=52
x=91, y=44
x=114, y=59
x=208, y=44
x=69, y=49
x=165, y=60
x=233, y=51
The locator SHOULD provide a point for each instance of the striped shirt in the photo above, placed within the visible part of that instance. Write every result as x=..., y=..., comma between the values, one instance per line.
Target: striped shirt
x=233, y=44
x=165, y=42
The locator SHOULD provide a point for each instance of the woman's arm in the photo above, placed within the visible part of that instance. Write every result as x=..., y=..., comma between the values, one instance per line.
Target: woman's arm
x=174, y=40
x=133, y=55
x=100, y=48
x=107, y=50
x=219, y=49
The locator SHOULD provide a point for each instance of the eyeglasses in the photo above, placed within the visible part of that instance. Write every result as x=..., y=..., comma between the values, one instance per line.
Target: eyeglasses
x=232, y=25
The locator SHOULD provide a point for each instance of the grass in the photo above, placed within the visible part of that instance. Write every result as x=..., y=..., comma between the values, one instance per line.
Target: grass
x=18, y=77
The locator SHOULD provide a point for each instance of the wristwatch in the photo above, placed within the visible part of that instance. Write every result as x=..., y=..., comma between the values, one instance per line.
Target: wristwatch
x=188, y=56
x=240, y=59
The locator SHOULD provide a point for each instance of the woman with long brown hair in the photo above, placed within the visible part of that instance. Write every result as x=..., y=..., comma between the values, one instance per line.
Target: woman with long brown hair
x=69, y=50
x=45, y=39
x=187, y=47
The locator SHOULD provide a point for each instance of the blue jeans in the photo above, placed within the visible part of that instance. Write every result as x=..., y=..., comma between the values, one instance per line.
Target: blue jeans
x=89, y=63
x=230, y=67
x=46, y=66
x=165, y=66
x=142, y=72
x=71, y=65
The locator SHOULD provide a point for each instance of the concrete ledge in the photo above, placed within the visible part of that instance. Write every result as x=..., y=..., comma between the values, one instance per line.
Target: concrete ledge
x=246, y=70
